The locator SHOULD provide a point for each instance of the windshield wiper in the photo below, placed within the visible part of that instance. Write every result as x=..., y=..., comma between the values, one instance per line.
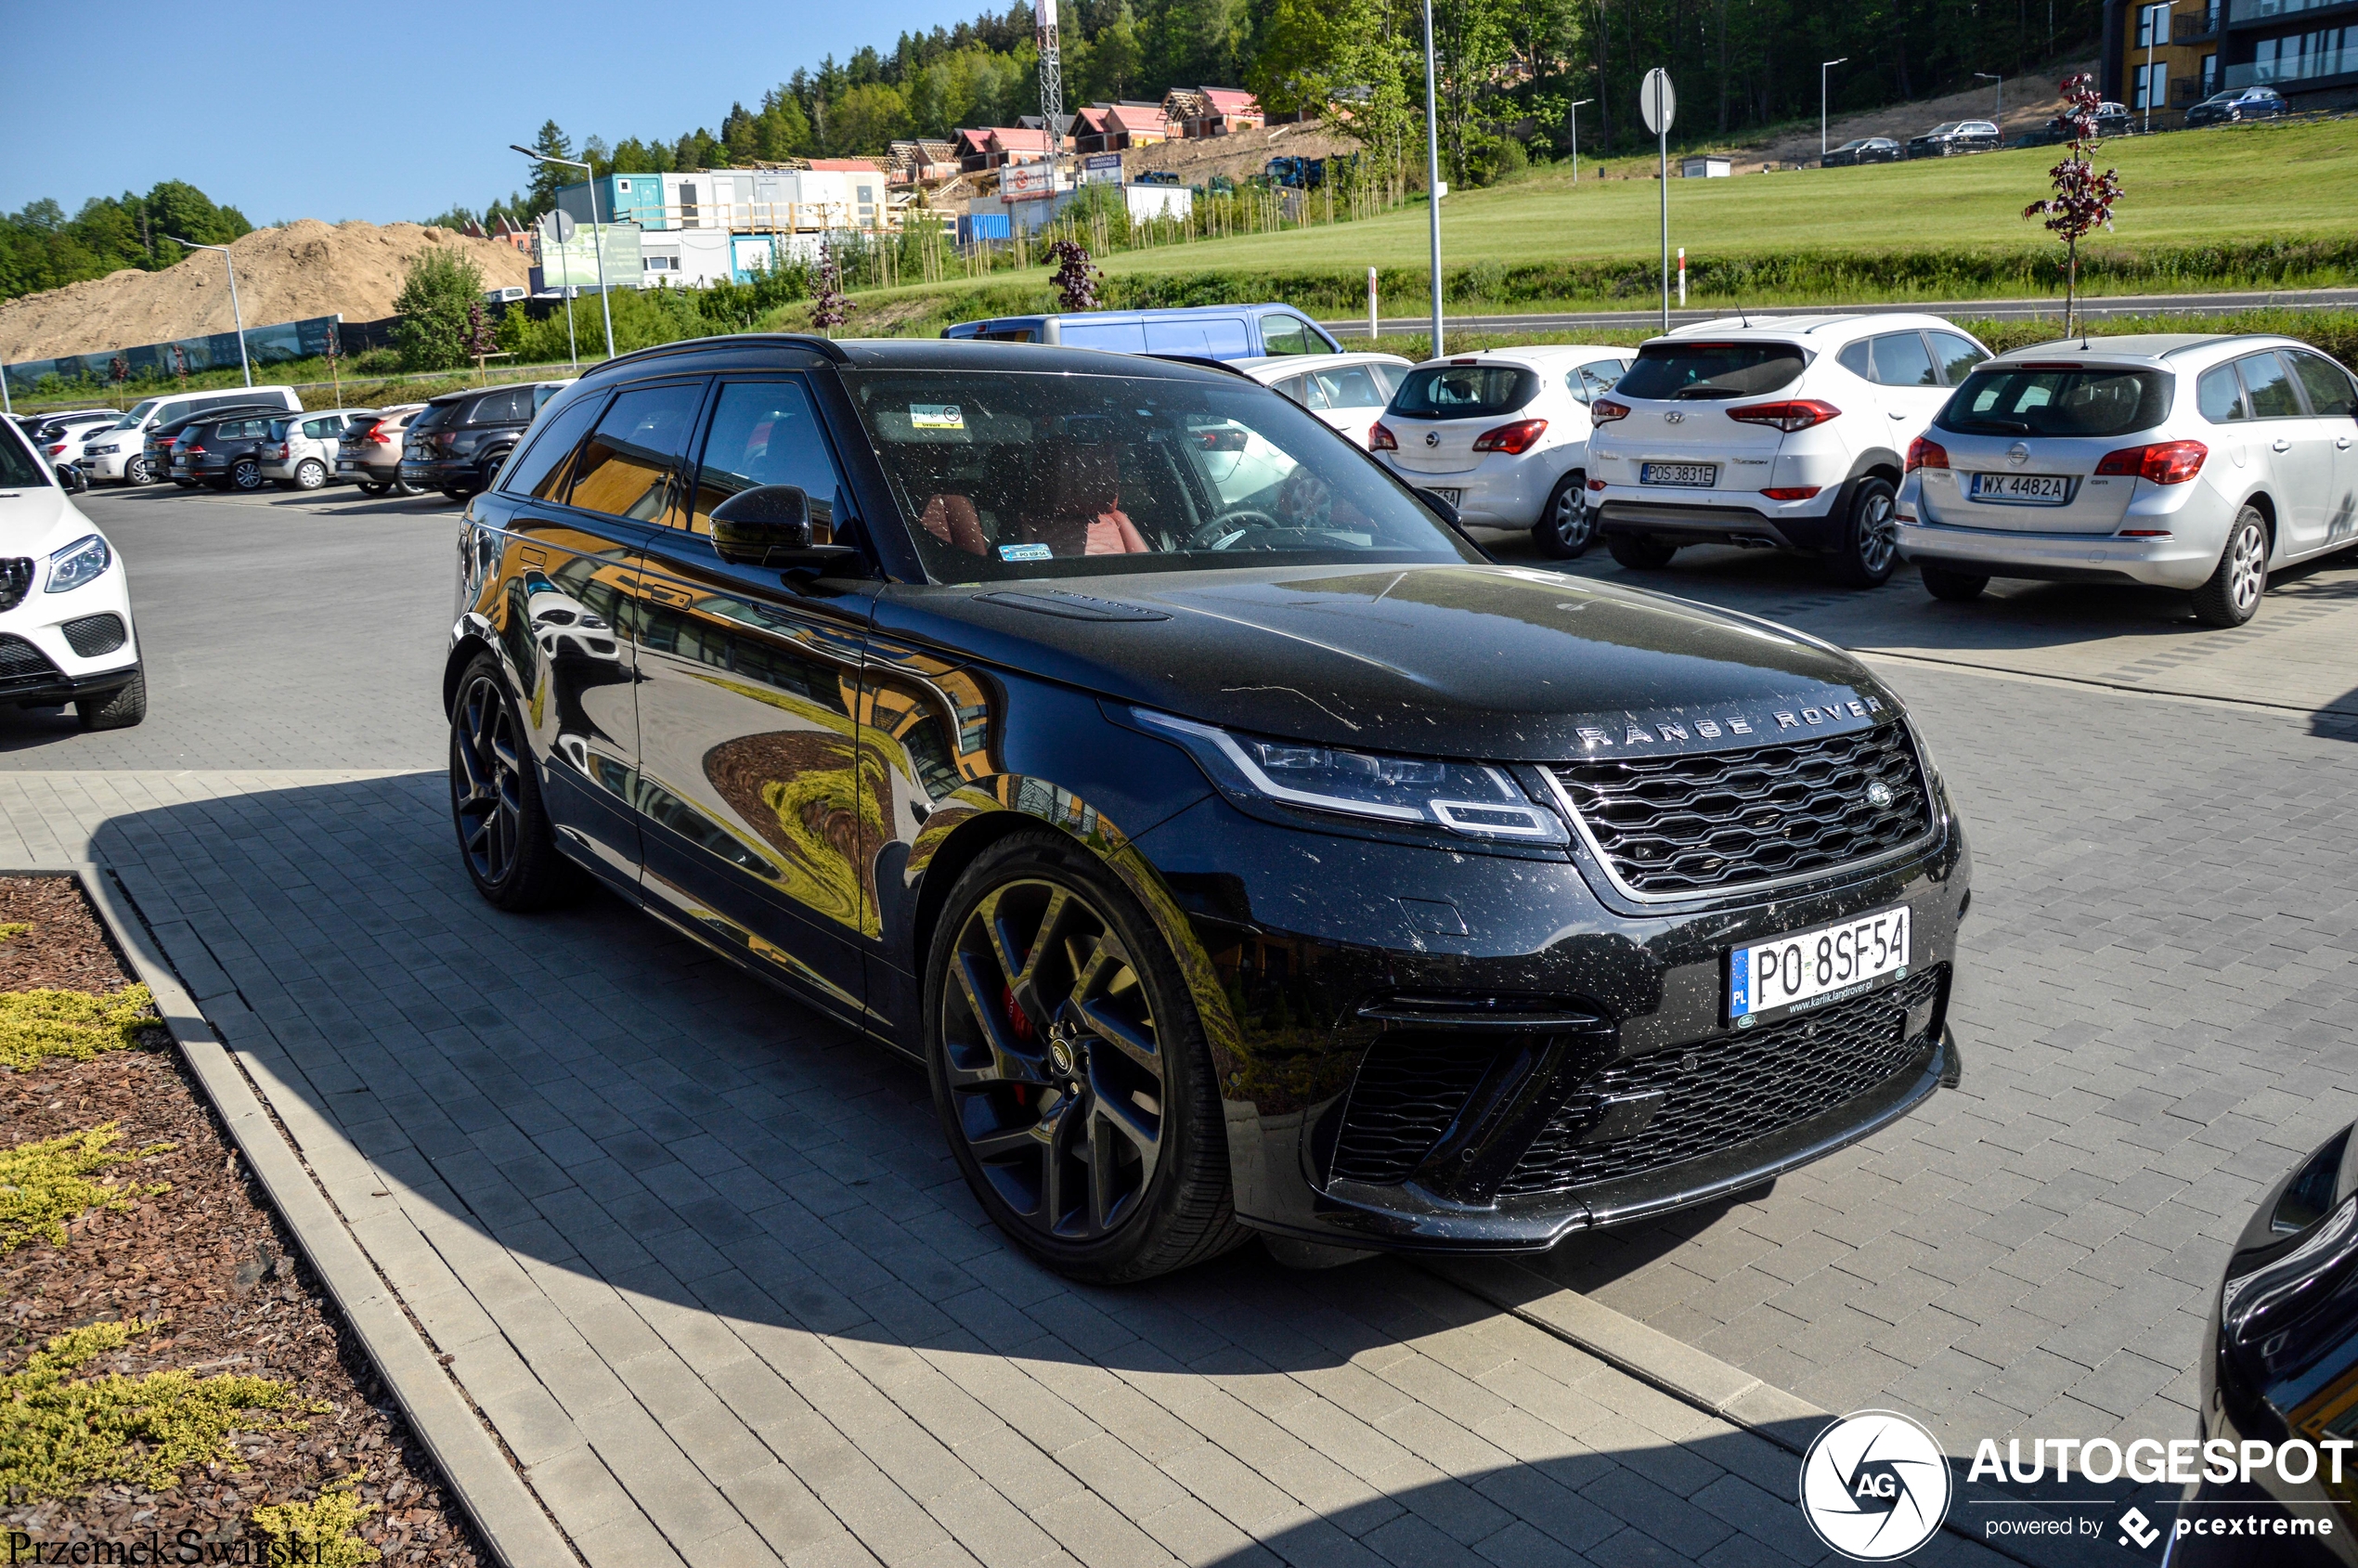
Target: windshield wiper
x=1715, y=392
x=2018, y=427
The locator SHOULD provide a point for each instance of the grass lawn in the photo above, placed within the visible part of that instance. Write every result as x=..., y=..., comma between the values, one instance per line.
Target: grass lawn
x=2236, y=183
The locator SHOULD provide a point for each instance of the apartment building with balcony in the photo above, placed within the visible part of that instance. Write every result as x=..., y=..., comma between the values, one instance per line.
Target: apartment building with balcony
x=2171, y=56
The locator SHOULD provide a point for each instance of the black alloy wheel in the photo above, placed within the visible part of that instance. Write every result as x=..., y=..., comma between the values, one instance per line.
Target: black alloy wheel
x=1869, y=546
x=1566, y=528
x=1069, y=1070
x=1640, y=552
x=246, y=474
x=504, y=833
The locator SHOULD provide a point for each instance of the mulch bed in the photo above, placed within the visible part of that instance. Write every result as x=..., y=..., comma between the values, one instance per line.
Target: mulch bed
x=209, y=1261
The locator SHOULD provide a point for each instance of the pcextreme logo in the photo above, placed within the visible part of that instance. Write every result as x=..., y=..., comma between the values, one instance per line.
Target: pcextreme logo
x=1874, y=1486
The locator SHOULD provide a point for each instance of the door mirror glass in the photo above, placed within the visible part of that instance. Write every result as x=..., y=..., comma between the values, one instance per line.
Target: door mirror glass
x=752, y=524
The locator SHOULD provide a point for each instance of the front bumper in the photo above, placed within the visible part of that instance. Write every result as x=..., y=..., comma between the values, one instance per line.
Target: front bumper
x=1560, y=1063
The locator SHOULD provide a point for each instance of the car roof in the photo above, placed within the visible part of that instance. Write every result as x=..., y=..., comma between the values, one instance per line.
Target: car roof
x=1818, y=329
x=1273, y=366
x=906, y=354
x=2152, y=346
x=1534, y=356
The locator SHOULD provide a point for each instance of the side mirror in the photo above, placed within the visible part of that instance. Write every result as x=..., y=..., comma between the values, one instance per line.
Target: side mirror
x=71, y=480
x=1440, y=509
x=769, y=525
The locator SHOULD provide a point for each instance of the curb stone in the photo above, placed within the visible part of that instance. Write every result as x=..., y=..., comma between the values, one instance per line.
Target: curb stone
x=505, y=1512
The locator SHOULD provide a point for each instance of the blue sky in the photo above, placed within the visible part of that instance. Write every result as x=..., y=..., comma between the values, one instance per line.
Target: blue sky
x=400, y=108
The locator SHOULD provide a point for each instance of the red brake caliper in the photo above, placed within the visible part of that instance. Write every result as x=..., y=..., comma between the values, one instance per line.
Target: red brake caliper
x=1020, y=1022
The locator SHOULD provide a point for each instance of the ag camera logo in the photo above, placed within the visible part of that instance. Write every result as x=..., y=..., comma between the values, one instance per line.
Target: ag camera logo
x=1874, y=1486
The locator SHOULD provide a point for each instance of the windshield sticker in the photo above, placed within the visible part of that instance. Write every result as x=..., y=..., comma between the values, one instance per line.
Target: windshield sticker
x=1026, y=552
x=937, y=415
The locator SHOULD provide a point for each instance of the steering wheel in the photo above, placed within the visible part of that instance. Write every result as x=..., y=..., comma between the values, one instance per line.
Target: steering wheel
x=1248, y=518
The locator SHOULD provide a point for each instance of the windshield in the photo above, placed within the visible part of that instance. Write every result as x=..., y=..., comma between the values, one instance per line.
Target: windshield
x=1010, y=475
x=18, y=466
x=1464, y=392
x=1711, y=369
x=139, y=410
x=2051, y=400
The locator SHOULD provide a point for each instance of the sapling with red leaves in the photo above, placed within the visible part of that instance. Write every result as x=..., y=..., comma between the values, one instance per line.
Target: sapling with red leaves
x=2084, y=198
x=831, y=307
x=1076, y=282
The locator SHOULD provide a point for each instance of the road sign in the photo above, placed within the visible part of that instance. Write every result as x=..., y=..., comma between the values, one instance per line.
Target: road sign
x=1658, y=101
x=557, y=226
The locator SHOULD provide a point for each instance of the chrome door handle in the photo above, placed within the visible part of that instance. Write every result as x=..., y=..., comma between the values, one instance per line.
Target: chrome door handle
x=1894, y=413
x=2341, y=443
x=2280, y=445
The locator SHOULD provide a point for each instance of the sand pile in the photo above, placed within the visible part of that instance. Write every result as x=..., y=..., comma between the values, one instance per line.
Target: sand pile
x=307, y=268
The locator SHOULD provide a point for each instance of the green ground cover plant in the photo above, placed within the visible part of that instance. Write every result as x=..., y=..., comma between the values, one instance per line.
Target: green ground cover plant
x=36, y=1024
x=43, y=1184
x=321, y=1531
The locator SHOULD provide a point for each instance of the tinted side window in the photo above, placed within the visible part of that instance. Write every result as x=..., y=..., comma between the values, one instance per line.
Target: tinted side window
x=767, y=432
x=2220, y=395
x=627, y=465
x=2328, y=384
x=542, y=471
x=1901, y=360
x=1854, y=359
x=1349, y=386
x=514, y=406
x=2270, y=384
x=1958, y=355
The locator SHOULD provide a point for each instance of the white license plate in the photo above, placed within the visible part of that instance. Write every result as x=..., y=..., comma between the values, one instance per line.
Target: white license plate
x=1695, y=475
x=1452, y=496
x=2022, y=489
x=346, y=467
x=1815, y=968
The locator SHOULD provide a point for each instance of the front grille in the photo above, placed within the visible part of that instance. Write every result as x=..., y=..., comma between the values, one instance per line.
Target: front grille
x=92, y=635
x=1408, y=1089
x=22, y=665
x=1739, y=1087
x=1673, y=826
x=16, y=581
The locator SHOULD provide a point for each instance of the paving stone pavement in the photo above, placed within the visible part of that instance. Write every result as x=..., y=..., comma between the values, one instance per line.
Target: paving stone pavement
x=702, y=1263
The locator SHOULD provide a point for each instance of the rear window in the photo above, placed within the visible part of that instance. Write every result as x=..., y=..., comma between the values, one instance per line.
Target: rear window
x=1712, y=369
x=1464, y=392
x=2031, y=400
x=435, y=414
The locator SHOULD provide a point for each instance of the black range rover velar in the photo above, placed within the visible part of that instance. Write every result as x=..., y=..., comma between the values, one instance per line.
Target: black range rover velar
x=1238, y=847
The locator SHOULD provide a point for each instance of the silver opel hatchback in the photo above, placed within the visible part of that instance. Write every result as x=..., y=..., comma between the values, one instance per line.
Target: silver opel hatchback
x=2179, y=462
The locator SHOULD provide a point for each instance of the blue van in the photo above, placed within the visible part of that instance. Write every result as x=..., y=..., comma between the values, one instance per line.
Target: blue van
x=1209, y=331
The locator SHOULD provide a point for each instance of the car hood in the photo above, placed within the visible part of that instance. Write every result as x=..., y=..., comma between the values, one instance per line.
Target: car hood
x=1502, y=663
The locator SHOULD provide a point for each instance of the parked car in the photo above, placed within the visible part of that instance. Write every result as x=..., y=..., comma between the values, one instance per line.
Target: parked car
x=1503, y=437
x=1865, y=149
x=1208, y=331
x=59, y=437
x=1347, y=391
x=2178, y=460
x=1157, y=176
x=2236, y=105
x=298, y=450
x=2277, y=1363
x=65, y=601
x=128, y=452
x=1209, y=897
x=223, y=452
x=369, y=453
x=458, y=441
x=1954, y=137
x=167, y=443
x=1790, y=432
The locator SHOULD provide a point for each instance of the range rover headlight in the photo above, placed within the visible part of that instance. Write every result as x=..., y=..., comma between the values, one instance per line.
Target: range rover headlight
x=1473, y=798
x=80, y=563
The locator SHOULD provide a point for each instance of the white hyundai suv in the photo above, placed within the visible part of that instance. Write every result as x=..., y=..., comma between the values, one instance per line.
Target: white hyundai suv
x=1503, y=436
x=65, y=600
x=2181, y=461
x=1787, y=432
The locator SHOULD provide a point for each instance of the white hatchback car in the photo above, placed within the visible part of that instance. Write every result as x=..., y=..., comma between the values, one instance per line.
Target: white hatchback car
x=65, y=600
x=1789, y=432
x=2181, y=461
x=300, y=450
x=1503, y=436
x=1346, y=391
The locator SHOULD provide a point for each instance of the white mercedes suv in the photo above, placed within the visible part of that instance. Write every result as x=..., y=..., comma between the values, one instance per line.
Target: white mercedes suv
x=2181, y=461
x=1787, y=432
x=65, y=600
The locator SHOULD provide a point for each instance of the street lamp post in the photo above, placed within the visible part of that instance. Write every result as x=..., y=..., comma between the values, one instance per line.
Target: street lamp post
x=235, y=314
x=597, y=238
x=1576, y=138
x=1985, y=76
x=2153, y=14
x=1823, y=66
x=1433, y=178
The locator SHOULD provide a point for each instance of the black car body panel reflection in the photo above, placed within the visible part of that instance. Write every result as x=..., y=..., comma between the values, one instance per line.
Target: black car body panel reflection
x=1343, y=768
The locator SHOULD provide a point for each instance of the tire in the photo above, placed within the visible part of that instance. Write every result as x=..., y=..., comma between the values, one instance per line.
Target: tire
x=459, y=493
x=505, y=839
x=1640, y=552
x=246, y=474
x=186, y=483
x=2238, y=583
x=1953, y=588
x=370, y=487
x=118, y=709
x=1566, y=526
x=138, y=471
x=1026, y=1055
x=402, y=488
x=310, y=474
x=1870, y=546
